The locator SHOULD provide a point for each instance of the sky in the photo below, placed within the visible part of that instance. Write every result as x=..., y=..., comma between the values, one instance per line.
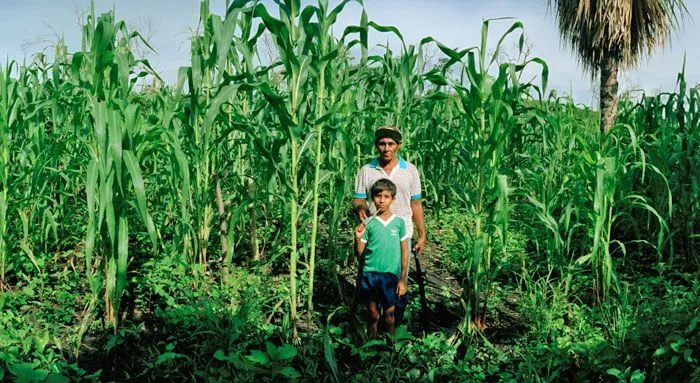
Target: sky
x=31, y=26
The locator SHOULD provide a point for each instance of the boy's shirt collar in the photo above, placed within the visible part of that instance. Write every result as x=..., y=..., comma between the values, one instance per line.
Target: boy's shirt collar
x=388, y=221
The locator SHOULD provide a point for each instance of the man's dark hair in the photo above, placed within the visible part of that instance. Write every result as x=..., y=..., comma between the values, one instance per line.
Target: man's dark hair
x=383, y=184
x=387, y=132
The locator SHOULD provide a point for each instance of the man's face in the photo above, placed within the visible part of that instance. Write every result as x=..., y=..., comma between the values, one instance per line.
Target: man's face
x=387, y=149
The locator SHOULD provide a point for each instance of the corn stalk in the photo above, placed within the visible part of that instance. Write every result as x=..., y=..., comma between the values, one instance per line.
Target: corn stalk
x=114, y=183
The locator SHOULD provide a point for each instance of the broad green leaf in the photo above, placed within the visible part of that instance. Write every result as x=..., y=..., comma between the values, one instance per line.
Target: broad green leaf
x=139, y=189
x=286, y=351
x=289, y=372
x=259, y=357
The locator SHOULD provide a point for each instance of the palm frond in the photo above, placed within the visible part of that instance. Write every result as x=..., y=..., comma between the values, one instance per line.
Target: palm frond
x=625, y=30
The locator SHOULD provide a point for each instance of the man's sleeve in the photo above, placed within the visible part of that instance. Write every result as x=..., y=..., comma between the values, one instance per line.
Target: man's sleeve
x=360, y=185
x=415, y=187
x=402, y=230
x=365, y=237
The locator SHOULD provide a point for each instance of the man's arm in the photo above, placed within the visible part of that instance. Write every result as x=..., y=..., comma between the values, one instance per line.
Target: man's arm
x=419, y=220
x=359, y=204
x=401, y=286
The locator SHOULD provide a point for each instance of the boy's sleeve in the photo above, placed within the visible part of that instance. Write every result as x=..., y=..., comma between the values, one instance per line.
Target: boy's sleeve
x=415, y=186
x=360, y=185
x=402, y=230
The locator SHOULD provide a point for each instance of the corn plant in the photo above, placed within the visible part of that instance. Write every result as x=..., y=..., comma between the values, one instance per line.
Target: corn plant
x=9, y=105
x=550, y=178
x=114, y=182
x=246, y=156
x=26, y=159
x=663, y=124
x=290, y=33
x=328, y=96
x=486, y=108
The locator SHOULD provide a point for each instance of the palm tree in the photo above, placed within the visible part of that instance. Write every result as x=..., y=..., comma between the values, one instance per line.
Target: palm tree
x=612, y=34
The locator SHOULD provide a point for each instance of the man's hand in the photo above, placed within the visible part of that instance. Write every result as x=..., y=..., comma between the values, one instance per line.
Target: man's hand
x=419, y=246
x=401, y=288
x=362, y=215
x=359, y=207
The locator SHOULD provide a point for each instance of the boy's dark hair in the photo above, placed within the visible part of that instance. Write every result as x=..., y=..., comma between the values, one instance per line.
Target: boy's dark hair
x=383, y=184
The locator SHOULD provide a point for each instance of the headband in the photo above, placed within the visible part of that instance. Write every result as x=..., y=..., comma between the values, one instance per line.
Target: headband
x=385, y=132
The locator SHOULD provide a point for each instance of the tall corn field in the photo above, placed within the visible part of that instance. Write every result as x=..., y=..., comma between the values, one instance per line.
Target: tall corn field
x=209, y=218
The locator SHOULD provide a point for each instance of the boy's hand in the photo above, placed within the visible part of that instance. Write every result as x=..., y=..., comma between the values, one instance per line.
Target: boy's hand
x=401, y=288
x=360, y=231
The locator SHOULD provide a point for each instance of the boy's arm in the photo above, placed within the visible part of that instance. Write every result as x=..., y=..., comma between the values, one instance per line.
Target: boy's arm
x=360, y=239
x=359, y=246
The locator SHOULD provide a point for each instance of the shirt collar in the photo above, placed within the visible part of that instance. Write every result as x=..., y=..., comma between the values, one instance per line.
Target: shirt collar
x=375, y=163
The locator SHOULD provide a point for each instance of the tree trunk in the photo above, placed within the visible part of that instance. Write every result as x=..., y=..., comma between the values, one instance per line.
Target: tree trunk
x=608, y=94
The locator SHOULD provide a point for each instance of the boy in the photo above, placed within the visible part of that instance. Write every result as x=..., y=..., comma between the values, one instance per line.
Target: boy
x=383, y=240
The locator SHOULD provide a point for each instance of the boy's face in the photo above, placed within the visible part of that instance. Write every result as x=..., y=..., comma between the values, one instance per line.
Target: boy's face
x=382, y=200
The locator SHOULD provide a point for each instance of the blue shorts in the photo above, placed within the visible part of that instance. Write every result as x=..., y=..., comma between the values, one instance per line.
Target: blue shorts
x=380, y=288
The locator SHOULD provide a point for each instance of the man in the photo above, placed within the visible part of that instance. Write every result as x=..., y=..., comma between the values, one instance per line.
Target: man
x=390, y=165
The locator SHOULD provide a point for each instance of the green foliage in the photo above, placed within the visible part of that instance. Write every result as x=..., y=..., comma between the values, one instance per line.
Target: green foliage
x=269, y=364
x=192, y=218
x=635, y=376
x=32, y=341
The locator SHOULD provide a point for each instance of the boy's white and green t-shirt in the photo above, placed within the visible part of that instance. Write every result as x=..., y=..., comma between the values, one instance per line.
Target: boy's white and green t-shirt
x=383, y=239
